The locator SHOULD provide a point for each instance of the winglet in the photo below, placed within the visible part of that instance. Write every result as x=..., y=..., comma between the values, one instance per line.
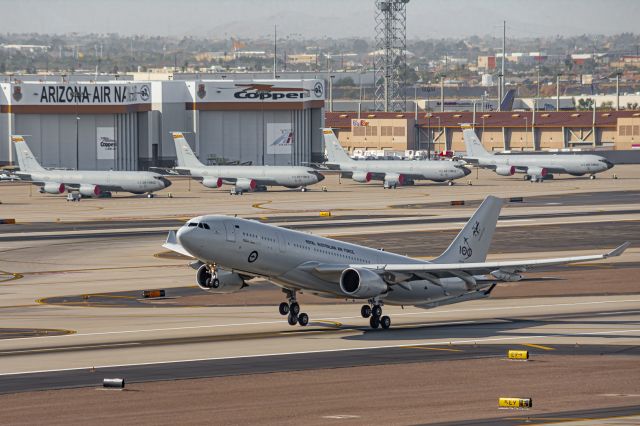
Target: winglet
x=618, y=250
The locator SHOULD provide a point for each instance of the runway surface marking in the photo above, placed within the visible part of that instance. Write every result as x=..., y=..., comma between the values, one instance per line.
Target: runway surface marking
x=544, y=348
x=340, y=319
x=424, y=348
x=275, y=354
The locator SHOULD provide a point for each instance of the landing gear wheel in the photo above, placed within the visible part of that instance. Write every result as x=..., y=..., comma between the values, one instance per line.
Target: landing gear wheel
x=374, y=322
x=385, y=322
x=215, y=283
x=292, y=319
x=284, y=308
x=365, y=311
x=526, y=177
x=450, y=183
x=303, y=319
x=294, y=308
x=376, y=311
x=150, y=195
x=303, y=189
x=592, y=177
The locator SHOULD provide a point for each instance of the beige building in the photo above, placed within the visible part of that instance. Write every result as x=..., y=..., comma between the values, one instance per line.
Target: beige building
x=372, y=133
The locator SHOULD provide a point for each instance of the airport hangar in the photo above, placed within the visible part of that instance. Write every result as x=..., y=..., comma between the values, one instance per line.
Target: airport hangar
x=125, y=125
x=615, y=134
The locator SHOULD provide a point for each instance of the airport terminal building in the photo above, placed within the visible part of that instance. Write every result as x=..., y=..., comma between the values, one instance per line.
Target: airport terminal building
x=125, y=125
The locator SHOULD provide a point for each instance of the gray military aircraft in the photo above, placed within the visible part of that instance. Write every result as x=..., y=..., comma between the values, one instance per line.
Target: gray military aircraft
x=229, y=251
x=393, y=173
x=535, y=167
x=244, y=178
x=86, y=183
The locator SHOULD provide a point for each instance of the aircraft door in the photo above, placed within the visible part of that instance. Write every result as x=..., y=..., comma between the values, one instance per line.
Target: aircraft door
x=231, y=230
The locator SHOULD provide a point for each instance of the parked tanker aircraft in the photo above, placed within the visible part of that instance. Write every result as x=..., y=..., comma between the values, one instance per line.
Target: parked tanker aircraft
x=535, y=167
x=392, y=172
x=86, y=183
x=229, y=251
x=244, y=178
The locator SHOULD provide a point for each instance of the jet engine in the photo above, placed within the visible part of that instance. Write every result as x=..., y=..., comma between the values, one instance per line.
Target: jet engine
x=224, y=282
x=362, y=177
x=536, y=172
x=245, y=185
x=361, y=283
x=506, y=170
x=212, y=182
x=391, y=180
x=53, y=188
x=89, y=190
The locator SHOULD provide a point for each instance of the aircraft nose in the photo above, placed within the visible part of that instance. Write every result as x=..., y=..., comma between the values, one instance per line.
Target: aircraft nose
x=165, y=181
x=319, y=176
x=608, y=163
x=467, y=171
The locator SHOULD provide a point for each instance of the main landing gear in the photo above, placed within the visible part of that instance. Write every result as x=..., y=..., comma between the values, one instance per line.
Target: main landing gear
x=292, y=310
x=373, y=311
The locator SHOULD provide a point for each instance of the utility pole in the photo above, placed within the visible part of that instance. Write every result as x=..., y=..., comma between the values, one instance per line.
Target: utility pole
x=617, y=90
x=275, y=49
x=557, y=92
x=442, y=93
x=504, y=54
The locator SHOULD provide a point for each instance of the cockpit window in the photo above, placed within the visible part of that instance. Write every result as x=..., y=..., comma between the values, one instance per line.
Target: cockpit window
x=205, y=226
x=192, y=224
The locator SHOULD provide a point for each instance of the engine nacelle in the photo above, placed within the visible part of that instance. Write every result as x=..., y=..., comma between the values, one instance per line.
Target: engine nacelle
x=224, y=282
x=361, y=283
x=246, y=185
x=362, y=177
x=506, y=170
x=89, y=190
x=52, y=188
x=393, y=180
x=536, y=172
x=212, y=182
x=506, y=276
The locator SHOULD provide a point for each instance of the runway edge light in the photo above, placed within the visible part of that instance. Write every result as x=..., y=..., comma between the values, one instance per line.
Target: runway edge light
x=516, y=403
x=516, y=354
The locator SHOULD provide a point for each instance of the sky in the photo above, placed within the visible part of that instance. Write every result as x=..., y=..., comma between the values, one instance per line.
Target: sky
x=318, y=18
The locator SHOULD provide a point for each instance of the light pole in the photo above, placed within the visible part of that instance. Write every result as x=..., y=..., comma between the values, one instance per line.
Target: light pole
x=331, y=77
x=526, y=127
x=429, y=133
x=439, y=130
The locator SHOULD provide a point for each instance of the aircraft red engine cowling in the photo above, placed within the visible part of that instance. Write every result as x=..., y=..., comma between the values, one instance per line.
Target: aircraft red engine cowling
x=89, y=190
x=393, y=180
x=244, y=184
x=506, y=170
x=361, y=283
x=212, y=182
x=225, y=282
x=362, y=177
x=53, y=188
x=537, y=172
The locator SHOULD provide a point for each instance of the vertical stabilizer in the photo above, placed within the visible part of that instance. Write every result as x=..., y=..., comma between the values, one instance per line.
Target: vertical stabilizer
x=335, y=153
x=473, y=242
x=472, y=143
x=26, y=160
x=186, y=158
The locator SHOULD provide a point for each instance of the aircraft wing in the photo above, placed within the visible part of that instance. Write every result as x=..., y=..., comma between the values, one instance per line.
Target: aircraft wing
x=172, y=244
x=446, y=270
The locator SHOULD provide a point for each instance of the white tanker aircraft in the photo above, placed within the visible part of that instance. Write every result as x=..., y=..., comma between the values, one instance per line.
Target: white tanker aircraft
x=230, y=251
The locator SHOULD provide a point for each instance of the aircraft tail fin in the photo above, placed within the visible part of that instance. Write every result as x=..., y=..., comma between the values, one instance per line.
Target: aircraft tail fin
x=472, y=143
x=335, y=152
x=186, y=157
x=26, y=159
x=507, y=101
x=472, y=244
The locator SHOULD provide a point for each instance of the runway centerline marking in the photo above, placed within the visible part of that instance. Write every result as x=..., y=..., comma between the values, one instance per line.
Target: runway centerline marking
x=338, y=319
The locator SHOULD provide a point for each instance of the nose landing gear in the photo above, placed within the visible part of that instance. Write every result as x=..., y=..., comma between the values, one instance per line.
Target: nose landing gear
x=292, y=310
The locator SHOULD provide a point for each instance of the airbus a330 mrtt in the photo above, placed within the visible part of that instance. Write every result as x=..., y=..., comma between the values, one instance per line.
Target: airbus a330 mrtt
x=229, y=251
